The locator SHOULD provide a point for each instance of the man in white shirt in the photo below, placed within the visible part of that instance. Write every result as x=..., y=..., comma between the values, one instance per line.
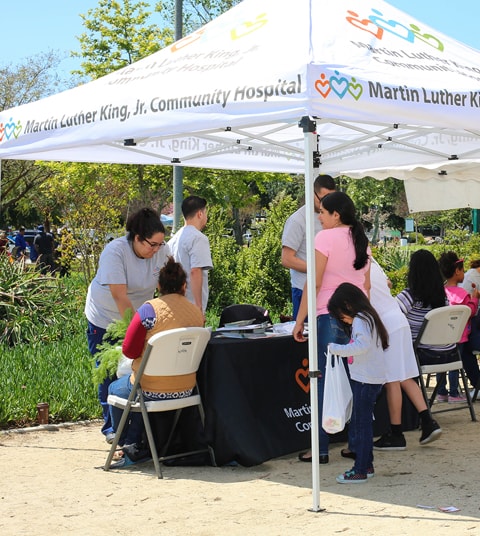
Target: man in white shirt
x=294, y=239
x=191, y=248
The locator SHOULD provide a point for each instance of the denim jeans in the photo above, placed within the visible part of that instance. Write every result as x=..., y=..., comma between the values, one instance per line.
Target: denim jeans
x=94, y=338
x=296, y=299
x=328, y=330
x=452, y=383
x=133, y=431
x=364, y=398
x=470, y=363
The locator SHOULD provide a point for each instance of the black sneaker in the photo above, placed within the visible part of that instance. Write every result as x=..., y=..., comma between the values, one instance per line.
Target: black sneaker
x=430, y=432
x=390, y=442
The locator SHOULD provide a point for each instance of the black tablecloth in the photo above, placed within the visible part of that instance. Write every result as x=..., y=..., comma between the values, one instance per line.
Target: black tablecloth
x=257, y=403
x=256, y=398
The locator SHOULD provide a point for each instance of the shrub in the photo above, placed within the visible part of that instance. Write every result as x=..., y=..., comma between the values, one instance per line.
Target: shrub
x=32, y=305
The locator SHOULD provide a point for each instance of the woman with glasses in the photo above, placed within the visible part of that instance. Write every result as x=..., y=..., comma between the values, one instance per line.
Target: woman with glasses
x=127, y=276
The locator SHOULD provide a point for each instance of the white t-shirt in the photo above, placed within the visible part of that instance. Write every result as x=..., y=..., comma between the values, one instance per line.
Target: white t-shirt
x=295, y=237
x=191, y=248
x=118, y=265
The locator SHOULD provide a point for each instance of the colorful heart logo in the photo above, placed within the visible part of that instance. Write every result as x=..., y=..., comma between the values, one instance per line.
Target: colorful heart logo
x=355, y=90
x=323, y=86
x=339, y=85
x=248, y=27
x=10, y=129
x=301, y=377
x=392, y=26
x=427, y=38
x=365, y=24
x=2, y=131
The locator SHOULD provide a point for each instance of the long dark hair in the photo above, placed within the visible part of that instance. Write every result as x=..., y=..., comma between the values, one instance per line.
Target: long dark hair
x=349, y=300
x=172, y=277
x=144, y=223
x=425, y=280
x=341, y=203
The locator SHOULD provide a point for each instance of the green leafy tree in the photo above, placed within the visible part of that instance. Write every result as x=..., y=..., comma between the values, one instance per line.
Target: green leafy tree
x=20, y=84
x=261, y=279
x=95, y=201
x=118, y=34
x=197, y=13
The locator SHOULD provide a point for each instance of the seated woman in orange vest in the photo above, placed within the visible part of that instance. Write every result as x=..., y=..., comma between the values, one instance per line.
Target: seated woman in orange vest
x=170, y=310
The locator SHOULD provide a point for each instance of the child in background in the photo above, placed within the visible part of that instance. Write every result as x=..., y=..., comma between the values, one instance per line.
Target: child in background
x=368, y=340
x=453, y=270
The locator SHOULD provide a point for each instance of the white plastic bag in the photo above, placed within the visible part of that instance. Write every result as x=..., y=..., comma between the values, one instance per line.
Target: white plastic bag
x=337, y=396
x=124, y=366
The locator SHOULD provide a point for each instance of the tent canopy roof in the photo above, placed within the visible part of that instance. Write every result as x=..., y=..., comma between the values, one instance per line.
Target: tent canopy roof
x=390, y=95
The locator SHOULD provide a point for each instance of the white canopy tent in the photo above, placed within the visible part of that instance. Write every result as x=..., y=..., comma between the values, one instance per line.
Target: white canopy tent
x=386, y=96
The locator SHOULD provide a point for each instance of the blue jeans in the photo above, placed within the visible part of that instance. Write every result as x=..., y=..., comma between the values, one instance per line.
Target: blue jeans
x=452, y=384
x=296, y=299
x=133, y=430
x=94, y=338
x=364, y=398
x=328, y=330
x=470, y=363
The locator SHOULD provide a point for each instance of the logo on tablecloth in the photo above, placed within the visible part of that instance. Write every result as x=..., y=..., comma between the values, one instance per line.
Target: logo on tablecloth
x=301, y=377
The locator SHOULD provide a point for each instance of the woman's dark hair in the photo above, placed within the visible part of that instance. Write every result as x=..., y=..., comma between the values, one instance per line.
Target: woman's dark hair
x=425, y=280
x=448, y=263
x=172, y=277
x=144, y=223
x=349, y=300
x=341, y=203
x=475, y=264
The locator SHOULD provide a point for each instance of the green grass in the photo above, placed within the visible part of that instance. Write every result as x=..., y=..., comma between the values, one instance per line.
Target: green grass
x=59, y=373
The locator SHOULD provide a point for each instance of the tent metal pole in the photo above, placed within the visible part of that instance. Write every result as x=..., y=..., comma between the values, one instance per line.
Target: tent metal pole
x=178, y=170
x=310, y=139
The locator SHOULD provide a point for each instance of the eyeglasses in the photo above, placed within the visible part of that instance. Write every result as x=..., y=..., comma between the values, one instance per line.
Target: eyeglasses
x=153, y=245
x=318, y=197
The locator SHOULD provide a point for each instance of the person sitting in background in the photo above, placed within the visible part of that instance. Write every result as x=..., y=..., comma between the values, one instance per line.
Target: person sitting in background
x=170, y=310
x=453, y=271
x=425, y=292
x=401, y=368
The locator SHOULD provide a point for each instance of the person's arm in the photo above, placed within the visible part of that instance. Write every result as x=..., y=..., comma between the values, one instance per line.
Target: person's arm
x=134, y=341
x=119, y=294
x=367, y=283
x=361, y=341
x=290, y=260
x=320, y=264
x=196, y=284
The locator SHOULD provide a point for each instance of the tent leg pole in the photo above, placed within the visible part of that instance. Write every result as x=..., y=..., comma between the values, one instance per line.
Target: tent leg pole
x=311, y=149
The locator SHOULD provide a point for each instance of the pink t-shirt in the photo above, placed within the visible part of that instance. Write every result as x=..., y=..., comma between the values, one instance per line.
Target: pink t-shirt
x=459, y=296
x=337, y=245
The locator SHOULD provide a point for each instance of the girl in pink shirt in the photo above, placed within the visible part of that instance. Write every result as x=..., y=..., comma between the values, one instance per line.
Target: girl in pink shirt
x=453, y=270
x=341, y=256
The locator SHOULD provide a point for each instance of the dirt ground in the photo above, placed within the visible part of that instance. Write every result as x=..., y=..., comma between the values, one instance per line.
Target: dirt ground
x=52, y=482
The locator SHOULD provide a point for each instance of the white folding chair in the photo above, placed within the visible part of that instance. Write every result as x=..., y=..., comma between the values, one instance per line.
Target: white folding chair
x=170, y=353
x=443, y=326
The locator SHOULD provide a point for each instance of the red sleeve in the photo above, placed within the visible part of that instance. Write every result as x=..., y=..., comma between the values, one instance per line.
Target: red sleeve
x=134, y=341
